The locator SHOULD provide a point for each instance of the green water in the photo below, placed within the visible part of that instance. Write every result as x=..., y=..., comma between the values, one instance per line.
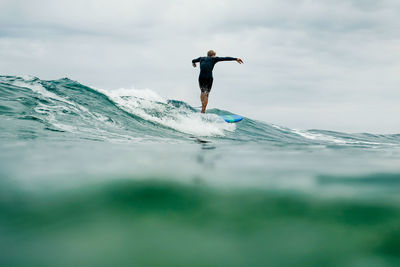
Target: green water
x=93, y=178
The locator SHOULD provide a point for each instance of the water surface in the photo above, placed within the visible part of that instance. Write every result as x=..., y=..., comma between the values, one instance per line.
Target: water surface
x=125, y=177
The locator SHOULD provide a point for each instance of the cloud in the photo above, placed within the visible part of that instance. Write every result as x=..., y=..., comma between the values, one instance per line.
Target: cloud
x=303, y=59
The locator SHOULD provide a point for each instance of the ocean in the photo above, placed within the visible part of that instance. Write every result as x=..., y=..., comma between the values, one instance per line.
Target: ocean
x=92, y=177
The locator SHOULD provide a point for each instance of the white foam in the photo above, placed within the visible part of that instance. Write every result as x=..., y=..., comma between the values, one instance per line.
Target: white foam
x=38, y=88
x=329, y=138
x=315, y=136
x=28, y=77
x=59, y=104
x=145, y=104
x=325, y=137
x=145, y=94
x=150, y=106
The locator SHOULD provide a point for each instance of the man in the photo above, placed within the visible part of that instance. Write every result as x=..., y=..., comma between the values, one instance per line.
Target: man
x=206, y=77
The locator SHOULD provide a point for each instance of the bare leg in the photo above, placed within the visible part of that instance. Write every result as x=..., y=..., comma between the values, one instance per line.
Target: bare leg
x=204, y=101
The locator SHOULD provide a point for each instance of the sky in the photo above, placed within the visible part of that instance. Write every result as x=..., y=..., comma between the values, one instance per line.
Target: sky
x=308, y=64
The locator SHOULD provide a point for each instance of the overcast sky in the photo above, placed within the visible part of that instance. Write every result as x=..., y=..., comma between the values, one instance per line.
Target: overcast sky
x=322, y=64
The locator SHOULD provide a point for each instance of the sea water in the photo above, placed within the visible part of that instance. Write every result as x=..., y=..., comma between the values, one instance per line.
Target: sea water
x=90, y=177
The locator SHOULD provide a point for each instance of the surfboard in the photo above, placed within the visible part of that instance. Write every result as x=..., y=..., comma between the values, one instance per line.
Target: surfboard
x=231, y=118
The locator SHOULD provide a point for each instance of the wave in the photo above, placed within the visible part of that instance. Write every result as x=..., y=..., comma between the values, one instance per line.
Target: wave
x=35, y=108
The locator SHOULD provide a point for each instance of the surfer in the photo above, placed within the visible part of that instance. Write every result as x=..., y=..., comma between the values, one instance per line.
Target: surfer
x=206, y=78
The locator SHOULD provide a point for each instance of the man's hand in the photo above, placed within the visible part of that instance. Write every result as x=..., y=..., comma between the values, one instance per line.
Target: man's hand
x=194, y=65
x=240, y=61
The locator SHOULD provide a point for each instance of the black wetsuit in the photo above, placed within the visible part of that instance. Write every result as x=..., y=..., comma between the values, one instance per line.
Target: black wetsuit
x=206, y=68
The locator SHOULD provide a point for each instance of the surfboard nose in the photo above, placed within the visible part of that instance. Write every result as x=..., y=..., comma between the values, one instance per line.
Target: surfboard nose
x=232, y=118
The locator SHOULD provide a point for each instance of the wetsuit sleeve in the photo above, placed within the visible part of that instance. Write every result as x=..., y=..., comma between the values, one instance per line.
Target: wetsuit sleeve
x=196, y=60
x=217, y=59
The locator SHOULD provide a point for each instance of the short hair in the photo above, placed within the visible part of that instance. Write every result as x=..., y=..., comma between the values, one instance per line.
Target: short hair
x=211, y=53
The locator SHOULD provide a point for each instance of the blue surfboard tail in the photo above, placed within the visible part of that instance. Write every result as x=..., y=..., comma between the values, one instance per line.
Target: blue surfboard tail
x=231, y=118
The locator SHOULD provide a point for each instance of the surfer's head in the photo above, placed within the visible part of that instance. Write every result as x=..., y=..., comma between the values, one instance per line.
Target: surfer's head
x=211, y=53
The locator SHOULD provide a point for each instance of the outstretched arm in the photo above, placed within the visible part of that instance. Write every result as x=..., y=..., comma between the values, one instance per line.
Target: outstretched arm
x=194, y=61
x=229, y=59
